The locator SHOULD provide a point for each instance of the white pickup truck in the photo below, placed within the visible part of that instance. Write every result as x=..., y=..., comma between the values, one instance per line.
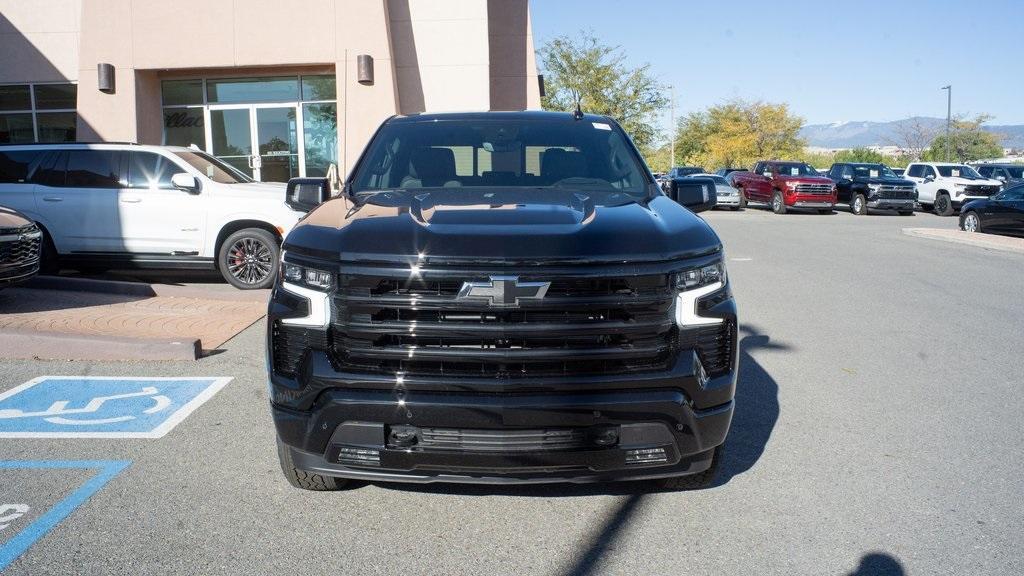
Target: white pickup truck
x=104, y=206
x=944, y=187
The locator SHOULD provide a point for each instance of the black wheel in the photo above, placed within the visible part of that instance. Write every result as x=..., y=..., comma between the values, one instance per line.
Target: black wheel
x=943, y=205
x=49, y=260
x=906, y=212
x=694, y=481
x=859, y=205
x=743, y=198
x=249, y=258
x=302, y=479
x=778, y=206
x=972, y=223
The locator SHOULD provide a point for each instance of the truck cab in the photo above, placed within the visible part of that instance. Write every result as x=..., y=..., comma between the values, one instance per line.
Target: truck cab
x=944, y=187
x=867, y=186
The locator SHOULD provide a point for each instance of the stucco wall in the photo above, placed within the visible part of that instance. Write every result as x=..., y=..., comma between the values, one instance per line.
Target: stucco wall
x=39, y=40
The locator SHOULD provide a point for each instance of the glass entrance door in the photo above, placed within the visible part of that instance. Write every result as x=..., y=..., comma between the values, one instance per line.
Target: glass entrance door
x=277, y=143
x=261, y=140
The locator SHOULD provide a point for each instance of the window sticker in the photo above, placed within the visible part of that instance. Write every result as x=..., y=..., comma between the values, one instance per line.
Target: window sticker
x=873, y=173
x=601, y=126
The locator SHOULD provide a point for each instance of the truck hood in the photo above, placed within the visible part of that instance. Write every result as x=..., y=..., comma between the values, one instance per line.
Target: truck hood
x=254, y=190
x=500, y=228
x=971, y=181
x=12, y=219
x=806, y=179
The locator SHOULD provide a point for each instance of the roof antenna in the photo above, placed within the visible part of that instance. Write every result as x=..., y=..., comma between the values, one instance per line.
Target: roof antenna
x=578, y=113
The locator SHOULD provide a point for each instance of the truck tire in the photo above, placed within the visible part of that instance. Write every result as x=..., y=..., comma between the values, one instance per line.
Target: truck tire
x=49, y=260
x=694, y=481
x=778, y=204
x=249, y=259
x=859, y=205
x=301, y=478
x=943, y=205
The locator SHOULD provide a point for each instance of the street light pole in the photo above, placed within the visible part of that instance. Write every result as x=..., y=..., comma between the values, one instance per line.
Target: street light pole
x=949, y=114
x=672, y=131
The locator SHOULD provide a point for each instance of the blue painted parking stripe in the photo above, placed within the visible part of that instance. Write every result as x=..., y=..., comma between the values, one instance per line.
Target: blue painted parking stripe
x=28, y=536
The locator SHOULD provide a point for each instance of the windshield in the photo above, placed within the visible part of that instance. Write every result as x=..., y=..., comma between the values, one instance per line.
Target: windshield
x=476, y=154
x=213, y=168
x=960, y=171
x=873, y=171
x=796, y=169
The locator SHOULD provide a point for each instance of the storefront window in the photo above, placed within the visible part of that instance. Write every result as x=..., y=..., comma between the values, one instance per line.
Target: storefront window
x=320, y=132
x=319, y=88
x=184, y=127
x=239, y=90
x=38, y=113
x=178, y=92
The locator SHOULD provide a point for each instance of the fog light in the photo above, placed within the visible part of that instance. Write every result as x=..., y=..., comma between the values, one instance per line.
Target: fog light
x=402, y=436
x=364, y=456
x=646, y=456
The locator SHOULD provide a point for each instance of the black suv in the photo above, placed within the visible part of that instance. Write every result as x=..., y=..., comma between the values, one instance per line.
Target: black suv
x=1009, y=174
x=867, y=186
x=502, y=297
x=20, y=246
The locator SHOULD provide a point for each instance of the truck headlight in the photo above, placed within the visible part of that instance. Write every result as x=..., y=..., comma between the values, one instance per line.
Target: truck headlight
x=694, y=284
x=307, y=277
x=960, y=187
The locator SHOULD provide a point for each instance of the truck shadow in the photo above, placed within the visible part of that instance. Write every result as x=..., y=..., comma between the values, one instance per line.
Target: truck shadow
x=757, y=411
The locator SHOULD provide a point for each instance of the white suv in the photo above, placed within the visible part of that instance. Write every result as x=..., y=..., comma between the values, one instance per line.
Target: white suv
x=106, y=206
x=944, y=187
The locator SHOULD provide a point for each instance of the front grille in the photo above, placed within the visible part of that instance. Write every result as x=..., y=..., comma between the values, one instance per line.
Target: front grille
x=980, y=190
x=814, y=188
x=894, y=192
x=582, y=326
x=501, y=440
x=22, y=247
x=290, y=343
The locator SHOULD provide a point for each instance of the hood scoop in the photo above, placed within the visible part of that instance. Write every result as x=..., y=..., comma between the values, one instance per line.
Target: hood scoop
x=426, y=210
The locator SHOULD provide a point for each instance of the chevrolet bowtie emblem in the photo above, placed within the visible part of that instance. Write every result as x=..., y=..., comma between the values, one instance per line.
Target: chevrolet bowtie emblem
x=504, y=291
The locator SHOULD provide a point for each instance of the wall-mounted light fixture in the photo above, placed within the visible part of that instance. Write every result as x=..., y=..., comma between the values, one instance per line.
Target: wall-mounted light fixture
x=364, y=69
x=105, y=77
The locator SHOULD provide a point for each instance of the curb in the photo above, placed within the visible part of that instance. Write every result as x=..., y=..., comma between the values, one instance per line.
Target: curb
x=122, y=288
x=30, y=345
x=980, y=240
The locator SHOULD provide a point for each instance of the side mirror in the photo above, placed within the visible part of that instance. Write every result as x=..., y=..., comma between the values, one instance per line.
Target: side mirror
x=697, y=194
x=304, y=194
x=929, y=178
x=186, y=182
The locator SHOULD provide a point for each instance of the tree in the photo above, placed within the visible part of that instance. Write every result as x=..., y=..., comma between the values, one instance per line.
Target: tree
x=967, y=142
x=862, y=155
x=738, y=133
x=580, y=70
x=913, y=136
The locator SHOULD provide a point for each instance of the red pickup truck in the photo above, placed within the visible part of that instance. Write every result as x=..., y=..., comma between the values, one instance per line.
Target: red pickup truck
x=786, y=185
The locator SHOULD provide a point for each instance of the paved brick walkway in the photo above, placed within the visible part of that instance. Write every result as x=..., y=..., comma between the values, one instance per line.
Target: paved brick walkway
x=56, y=312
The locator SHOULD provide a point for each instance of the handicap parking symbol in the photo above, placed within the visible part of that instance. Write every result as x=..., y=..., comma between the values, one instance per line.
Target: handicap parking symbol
x=101, y=407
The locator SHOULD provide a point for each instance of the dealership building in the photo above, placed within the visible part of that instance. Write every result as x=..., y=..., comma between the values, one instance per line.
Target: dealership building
x=277, y=89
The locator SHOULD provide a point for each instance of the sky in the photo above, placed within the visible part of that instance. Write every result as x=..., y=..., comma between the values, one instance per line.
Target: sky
x=830, y=61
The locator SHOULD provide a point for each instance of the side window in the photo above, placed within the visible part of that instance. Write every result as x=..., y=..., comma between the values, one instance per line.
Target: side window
x=93, y=169
x=913, y=170
x=985, y=171
x=758, y=168
x=16, y=164
x=927, y=171
x=149, y=170
x=51, y=170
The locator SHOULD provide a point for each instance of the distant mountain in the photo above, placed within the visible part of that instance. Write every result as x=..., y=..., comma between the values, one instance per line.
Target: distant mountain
x=856, y=134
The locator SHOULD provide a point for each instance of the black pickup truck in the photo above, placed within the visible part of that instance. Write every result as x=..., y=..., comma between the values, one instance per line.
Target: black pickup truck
x=865, y=186
x=502, y=297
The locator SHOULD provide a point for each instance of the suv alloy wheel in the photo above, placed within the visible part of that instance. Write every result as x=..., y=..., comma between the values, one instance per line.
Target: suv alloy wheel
x=249, y=259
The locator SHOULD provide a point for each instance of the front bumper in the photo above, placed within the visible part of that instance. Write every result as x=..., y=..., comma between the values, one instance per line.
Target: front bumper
x=892, y=204
x=812, y=204
x=10, y=275
x=731, y=200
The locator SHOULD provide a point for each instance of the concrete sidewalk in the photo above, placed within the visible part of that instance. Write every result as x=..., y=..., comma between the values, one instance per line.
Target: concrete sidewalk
x=990, y=241
x=100, y=320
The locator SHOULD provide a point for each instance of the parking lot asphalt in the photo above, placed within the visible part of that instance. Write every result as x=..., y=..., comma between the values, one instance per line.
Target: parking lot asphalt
x=877, y=432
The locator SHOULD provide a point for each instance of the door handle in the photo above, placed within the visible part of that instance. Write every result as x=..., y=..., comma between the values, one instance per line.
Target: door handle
x=53, y=199
x=131, y=199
